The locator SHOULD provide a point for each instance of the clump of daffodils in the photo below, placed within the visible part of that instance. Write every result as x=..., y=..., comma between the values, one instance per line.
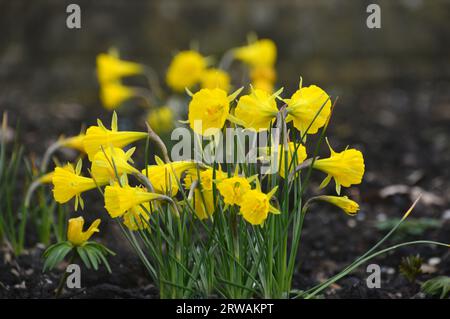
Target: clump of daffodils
x=203, y=224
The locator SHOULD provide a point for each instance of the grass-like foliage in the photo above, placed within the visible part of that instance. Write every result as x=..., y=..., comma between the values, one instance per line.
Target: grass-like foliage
x=410, y=227
x=13, y=214
x=438, y=286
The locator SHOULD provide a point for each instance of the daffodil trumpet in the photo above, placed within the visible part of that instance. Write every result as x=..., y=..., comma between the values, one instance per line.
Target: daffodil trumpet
x=111, y=68
x=346, y=167
x=99, y=136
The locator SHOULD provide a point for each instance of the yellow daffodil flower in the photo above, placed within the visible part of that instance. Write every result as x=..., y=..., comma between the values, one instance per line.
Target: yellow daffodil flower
x=68, y=183
x=120, y=199
x=215, y=78
x=98, y=137
x=75, y=233
x=161, y=120
x=257, y=110
x=263, y=73
x=260, y=52
x=109, y=162
x=75, y=142
x=185, y=70
x=206, y=177
x=165, y=177
x=208, y=110
x=349, y=206
x=137, y=217
x=111, y=68
x=113, y=94
x=46, y=178
x=232, y=189
x=255, y=206
x=203, y=203
x=263, y=78
x=300, y=157
x=346, y=167
x=309, y=107
x=203, y=194
x=263, y=85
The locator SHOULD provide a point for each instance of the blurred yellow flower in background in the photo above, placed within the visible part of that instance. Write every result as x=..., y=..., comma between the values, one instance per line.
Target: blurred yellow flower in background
x=98, y=137
x=263, y=85
x=346, y=167
x=215, y=78
x=260, y=52
x=185, y=70
x=110, y=163
x=263, y=73
x=113, y=94
x=161, y=119
x=75, y=233
x=308, y=107
x=263, y=78
x=111, y=68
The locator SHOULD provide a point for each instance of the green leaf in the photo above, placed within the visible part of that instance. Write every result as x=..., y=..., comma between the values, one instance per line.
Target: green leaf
x=55, y=254
x=411, y=226
x=83, y=256
x=91, y=254
x=96, y=254
x=105, y=262
x=437, y=286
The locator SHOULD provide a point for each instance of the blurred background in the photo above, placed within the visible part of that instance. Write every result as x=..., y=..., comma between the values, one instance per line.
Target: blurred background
x=393, y=85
